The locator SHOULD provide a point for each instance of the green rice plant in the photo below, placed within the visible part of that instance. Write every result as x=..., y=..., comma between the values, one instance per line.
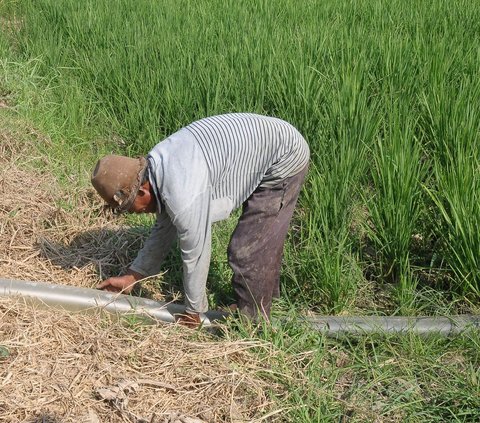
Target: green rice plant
x=455, y=124
x=457, y=198
x=405, y=289
x=319, y=271
x=395, y=204
x=327, y=257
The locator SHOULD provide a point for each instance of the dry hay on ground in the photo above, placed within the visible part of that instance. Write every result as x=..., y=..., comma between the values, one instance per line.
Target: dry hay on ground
x=81, y=368
x=77, y=244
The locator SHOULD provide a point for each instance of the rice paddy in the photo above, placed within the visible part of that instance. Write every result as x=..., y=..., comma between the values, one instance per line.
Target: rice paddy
x=386, y=94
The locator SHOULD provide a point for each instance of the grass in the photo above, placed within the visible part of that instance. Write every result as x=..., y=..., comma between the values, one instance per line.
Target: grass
x=455, y=195
x=371, y=378
x=386, y=94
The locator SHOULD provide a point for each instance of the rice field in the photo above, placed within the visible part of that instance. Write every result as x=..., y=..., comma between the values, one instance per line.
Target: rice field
x=386, y=94
x=61, y=367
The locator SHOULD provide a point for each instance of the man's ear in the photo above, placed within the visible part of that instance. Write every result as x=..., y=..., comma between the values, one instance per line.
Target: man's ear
x=144, y=189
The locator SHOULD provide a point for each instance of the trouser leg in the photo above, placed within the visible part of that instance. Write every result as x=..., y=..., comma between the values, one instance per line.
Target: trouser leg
x=256, y=247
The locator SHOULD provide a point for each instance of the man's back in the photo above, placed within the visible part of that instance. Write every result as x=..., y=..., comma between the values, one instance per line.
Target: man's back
x=244, y=151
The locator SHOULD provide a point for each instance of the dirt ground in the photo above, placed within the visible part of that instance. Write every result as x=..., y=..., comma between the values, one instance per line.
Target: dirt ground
x=61, y=367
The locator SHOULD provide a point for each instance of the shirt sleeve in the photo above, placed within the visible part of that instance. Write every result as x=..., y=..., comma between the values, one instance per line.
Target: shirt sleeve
x=182, y=176
x=194, y=234
x=156, y=247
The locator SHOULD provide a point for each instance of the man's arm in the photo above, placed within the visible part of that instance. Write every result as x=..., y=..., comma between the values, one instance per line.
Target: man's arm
x=194, y=234
x=149, y=258
x=156, y=247
x=184, y=180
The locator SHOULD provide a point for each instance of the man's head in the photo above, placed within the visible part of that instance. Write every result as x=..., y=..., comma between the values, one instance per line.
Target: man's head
x=122, y=183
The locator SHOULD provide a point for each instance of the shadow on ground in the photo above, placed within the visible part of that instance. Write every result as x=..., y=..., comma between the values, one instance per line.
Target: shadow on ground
x=109, y=252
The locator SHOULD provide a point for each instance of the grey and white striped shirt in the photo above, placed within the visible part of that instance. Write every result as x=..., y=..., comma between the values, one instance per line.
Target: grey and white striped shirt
x=204, y=171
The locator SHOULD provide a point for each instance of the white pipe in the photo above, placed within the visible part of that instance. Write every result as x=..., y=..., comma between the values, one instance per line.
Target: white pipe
x=441, y=325
x=87, y=299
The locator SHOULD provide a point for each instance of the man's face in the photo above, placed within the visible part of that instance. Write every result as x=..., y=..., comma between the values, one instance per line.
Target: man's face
x=145, y=201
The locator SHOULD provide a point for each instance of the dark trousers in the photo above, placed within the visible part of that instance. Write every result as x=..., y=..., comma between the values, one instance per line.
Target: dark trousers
x=256, y=247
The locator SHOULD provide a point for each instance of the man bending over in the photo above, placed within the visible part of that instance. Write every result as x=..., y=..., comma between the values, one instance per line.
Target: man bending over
x=197, y=176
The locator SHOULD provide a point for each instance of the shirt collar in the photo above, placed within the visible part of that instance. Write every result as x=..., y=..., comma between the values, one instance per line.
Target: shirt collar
x=153, y=182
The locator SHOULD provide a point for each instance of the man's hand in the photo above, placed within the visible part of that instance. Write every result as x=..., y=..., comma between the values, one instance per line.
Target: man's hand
x=123, y=284
x=190, y=320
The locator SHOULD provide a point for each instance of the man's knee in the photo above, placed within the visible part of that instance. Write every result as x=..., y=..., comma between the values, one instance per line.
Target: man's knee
x=240, y=250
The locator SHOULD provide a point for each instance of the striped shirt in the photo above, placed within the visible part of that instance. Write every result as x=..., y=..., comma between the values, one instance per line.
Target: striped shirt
x=204, y=171
x=246, y=150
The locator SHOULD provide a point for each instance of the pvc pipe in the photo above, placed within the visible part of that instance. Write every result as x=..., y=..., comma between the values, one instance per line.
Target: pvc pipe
x=441, y=325
x=87, y=299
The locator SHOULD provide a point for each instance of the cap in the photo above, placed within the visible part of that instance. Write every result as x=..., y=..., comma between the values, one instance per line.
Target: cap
x=118, y=178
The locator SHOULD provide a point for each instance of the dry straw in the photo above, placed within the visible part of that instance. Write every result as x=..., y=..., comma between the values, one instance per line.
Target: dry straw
x=63, y=367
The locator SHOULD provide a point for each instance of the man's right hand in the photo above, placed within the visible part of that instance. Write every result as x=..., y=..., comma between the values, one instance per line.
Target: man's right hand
x=123, y=284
